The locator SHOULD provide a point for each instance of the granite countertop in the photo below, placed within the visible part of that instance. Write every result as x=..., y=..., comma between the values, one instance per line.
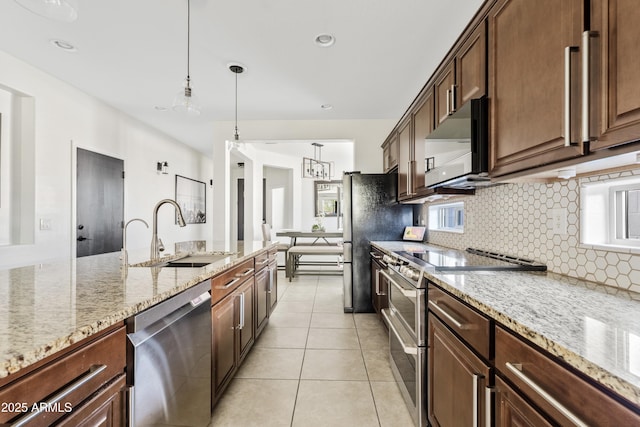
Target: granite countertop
x=593, y=328
x=48, y=307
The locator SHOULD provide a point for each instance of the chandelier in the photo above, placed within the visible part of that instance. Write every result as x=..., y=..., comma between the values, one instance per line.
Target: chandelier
x=315, y=168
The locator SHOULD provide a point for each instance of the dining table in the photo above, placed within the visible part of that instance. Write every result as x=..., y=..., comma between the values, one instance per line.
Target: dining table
x=318, y=236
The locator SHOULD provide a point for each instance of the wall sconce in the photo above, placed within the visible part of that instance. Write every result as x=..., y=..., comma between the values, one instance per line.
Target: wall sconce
x=162, y=168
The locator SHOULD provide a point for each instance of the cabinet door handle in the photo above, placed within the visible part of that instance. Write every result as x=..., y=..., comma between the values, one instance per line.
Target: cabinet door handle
x=378, y=282
x=476, y=379
x=241, y=325
x=270, y=281
x=453, y=99
x=448, y=102
x=434, y=306
x=586, y=84
x=488, y=397
x=516, y=369
x=567, y=93
x=93, y=372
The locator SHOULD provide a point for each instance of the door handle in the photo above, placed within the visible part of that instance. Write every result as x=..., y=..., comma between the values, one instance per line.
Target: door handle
x=82, y=238
x=568, y=104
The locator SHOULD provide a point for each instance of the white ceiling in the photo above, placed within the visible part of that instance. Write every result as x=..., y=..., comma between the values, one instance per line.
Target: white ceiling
x=132, y=55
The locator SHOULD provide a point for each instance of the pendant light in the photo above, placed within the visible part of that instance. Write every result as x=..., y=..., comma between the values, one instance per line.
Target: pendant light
x=58, y=10
x=236, y=69
x=184, y=100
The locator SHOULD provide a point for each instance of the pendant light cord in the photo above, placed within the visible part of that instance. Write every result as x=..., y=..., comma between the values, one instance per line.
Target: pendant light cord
x=188, y=40
x=236, y=134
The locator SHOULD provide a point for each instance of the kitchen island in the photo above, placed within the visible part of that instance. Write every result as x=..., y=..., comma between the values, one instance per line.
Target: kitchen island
x=46, y=308
x=594, y=329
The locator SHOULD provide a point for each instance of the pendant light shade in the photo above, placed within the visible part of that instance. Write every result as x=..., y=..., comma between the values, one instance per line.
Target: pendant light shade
x=58, y=10
x=184, y=100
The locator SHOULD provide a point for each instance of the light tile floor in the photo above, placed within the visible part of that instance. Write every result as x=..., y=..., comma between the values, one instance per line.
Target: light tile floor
x=314, y=365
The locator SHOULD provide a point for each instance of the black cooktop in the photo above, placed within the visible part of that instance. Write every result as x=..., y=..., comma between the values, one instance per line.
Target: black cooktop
x=472, y=260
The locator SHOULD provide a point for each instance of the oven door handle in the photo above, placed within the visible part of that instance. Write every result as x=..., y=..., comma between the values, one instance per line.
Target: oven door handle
x=408, y=349
x=407, y=293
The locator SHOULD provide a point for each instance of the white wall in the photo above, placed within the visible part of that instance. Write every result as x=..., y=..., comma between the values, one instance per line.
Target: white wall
x=66, y=118
x=367, y=137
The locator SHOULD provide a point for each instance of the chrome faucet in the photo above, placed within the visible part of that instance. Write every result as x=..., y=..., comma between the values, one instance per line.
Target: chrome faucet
x=155, y=248
x=125, y=257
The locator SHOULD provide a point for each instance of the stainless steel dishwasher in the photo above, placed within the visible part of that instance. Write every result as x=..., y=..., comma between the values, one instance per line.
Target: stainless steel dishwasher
x=169, y=348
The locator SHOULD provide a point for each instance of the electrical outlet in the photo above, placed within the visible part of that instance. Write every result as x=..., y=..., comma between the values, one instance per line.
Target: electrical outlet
x=559, y=221
x=45, y=224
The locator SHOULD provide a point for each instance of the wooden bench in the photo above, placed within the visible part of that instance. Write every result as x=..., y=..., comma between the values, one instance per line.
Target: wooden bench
x=295, y=253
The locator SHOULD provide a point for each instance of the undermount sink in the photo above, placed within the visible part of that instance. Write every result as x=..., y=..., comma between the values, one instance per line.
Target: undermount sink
x=189, y=261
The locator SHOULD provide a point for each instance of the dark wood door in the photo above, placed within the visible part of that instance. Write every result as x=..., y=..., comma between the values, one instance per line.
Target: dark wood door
x=99, y=203
x=443, y=88
x=423, y=118
x=262, y=299
x=471, y=67
x=616, y=22
x=273, y=283
x=224, y=337
x=245, y=309
x=454, y=373
x=405, y=160
x=511, y=410
x=527, y=41
x=105, y=409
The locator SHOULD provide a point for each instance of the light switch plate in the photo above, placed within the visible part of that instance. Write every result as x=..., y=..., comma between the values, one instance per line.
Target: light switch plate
x=45, y=224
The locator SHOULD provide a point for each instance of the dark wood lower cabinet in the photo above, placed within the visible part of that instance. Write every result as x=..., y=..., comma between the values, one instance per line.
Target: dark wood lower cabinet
x=511, y=410
x=105, y=409
x=233, y=335
x=456, y=380
x=262, y=299
x=273, y=283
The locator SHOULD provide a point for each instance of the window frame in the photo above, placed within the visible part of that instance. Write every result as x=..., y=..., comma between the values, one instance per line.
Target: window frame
x=438, y=213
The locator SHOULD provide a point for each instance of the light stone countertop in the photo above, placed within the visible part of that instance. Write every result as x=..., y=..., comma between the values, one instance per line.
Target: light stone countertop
x=48, y=307
x=593, y=328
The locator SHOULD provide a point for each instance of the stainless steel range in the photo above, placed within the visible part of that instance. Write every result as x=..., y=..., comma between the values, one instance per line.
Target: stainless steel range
x=406, y=315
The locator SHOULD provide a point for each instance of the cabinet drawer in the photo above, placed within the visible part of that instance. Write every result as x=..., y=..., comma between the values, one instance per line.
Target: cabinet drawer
x=106, y=408
x=470, y=325
x=554, y=388
x=78, y=374
x=223, y=284
x=261, y=260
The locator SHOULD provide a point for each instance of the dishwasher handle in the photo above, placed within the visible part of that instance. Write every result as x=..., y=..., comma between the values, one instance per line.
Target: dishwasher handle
x=140, y=337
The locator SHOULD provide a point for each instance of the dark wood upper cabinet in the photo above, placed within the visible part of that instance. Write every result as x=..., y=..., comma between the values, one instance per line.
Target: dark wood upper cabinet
x=616, y=25
x=528, y=43
x=405, y=160
x=464, y=77
x=390, y=153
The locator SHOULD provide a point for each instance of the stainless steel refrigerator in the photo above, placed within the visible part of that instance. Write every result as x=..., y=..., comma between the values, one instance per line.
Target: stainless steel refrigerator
x=370, y=212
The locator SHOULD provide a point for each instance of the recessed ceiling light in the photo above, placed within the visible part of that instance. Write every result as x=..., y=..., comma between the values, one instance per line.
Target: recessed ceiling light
x=325, y=40
x=64, y=45
x=326, y=106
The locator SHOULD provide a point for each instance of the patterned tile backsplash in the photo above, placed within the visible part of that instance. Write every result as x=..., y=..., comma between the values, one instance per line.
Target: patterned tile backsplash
x=516, y=219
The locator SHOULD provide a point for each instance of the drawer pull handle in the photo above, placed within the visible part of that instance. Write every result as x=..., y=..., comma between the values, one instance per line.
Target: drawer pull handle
x=93, y=372
x=246, y=273
x=231, y=283
x=434, y=306
x=263, y=262
x=516, y=369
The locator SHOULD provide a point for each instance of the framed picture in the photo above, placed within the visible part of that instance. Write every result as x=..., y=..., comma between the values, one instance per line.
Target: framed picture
x=191, y=196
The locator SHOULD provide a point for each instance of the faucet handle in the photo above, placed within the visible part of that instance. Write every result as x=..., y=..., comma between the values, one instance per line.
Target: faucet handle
x=160, y=245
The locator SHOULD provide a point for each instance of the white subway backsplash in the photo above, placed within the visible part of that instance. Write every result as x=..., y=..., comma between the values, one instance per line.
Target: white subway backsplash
x=518, y=219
